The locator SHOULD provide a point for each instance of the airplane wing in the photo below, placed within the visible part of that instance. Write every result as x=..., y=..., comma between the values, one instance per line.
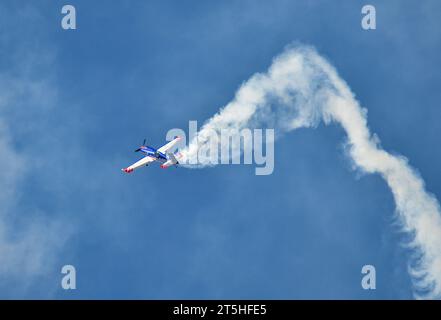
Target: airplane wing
x=169, y=145
x=144, y=161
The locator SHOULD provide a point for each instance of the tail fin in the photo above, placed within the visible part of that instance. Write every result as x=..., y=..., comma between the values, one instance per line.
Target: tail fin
x=173, y=158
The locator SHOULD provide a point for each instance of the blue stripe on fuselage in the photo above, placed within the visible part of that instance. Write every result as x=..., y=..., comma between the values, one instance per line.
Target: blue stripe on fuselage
x=152, y=152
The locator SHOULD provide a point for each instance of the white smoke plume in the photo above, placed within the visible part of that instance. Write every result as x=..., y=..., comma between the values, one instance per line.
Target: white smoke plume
x=300, y=89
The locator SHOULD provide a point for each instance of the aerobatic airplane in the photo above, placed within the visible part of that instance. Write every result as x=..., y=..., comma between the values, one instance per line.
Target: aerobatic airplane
x=161, y=155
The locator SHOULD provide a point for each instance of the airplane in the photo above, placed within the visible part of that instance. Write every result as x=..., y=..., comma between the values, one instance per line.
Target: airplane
x=161, y=155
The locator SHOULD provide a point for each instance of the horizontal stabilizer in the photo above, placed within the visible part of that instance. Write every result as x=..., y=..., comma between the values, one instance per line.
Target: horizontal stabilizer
x=172, y=160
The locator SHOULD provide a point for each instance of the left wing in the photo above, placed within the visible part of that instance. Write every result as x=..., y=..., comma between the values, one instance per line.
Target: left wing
x=169, y=145
x=140, y=163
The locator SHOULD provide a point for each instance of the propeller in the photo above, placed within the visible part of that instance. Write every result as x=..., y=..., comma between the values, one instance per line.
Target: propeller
x=143, y=144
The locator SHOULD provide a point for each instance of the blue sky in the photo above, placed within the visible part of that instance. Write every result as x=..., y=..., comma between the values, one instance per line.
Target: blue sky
x=74, y=104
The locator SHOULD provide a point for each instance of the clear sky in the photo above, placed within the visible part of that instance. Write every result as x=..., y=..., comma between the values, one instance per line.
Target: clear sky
x=74, y=104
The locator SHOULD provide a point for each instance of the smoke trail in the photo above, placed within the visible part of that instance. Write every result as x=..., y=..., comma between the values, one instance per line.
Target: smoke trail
x=300, y=89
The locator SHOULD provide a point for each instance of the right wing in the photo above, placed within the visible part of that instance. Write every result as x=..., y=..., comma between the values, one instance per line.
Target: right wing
x=144, y=161
x=169, y=145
